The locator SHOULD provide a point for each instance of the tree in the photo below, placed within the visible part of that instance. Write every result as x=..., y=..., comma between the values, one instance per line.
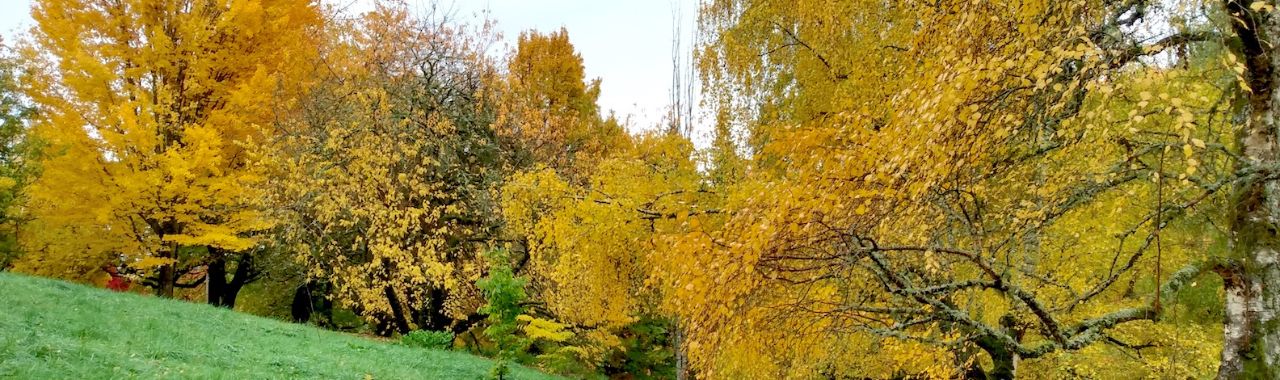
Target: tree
x=503, y=293
x=594, y=249
x=16, y=152
x=941, y=195
x=549, y=108
x=153, y=112
x=386, y=176
x=1251, y=275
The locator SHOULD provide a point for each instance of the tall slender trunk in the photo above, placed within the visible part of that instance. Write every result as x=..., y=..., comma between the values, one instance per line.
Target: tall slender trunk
x=1251, y=331
x=683, y=372
x=399, y=317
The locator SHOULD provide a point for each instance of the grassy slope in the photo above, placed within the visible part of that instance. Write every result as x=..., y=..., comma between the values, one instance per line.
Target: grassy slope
x=56, y=330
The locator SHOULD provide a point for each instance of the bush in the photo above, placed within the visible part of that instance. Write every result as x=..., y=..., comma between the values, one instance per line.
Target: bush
x=438, y=340
x=503, y=292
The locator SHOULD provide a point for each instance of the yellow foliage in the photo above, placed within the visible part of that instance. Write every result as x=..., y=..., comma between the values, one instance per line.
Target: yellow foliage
x=550, y=109
x=384, y=179
x=538, y=328
x=593, y=247
x=152, y=111
x=907, y=154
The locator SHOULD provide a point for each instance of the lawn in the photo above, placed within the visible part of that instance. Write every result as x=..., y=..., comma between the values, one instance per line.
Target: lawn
x=51, y=329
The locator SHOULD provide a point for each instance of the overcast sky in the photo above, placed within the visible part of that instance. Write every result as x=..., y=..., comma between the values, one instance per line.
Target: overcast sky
x=626, y=43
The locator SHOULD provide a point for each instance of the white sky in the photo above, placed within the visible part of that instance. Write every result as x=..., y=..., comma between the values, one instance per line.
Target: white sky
x=14, y=14
x=626, y=43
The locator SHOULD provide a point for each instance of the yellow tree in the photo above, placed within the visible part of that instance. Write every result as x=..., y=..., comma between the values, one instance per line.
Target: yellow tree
x=932, y=208
x=152, y=112
x=549, y=108
x=592, y=247
x=386, y=178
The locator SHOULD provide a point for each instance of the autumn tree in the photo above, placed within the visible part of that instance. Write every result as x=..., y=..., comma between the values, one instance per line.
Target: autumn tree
x=16, y=152
x=549, y=107
x=387, y=175
x=593, y=247
x=152, y=112
x=1251, y=346
x=907, y=209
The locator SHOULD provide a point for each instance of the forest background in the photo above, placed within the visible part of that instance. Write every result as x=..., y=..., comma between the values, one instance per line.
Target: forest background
x=914, y=189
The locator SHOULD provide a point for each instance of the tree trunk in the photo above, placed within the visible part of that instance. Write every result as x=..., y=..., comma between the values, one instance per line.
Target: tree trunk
x=168, y=275
x=215, y=280
x=1251, y=331
x=220, y=291
x=400, y=322
x=303, y=304
x=246, y=272
x=1004, y=365
x=434, y=317
x=683, y=371
x=1004, y=360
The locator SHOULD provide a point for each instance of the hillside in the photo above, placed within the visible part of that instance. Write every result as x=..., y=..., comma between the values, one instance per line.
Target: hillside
x=51, y=329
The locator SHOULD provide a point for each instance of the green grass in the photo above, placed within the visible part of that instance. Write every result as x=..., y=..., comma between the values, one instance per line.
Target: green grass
x=56, y=330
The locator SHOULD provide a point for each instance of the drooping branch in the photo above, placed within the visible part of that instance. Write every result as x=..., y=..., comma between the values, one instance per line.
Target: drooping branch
x=797, y=41
x=998, y=281
x=1091, y=330
x=1125, y=56
x=1062, y=337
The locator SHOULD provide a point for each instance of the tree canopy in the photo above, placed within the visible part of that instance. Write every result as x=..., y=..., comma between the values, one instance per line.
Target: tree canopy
x=874, y=189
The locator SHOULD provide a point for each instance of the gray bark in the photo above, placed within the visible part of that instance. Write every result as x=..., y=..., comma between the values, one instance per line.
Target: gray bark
x=1251, y=331
x=682, y=360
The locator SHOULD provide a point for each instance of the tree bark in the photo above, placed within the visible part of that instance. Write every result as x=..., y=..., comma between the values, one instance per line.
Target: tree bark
x=220, y=291
x=216, y=280
x=245, y=273
x=1251, y=331
x=683, y=371
x=434, y=317
x=401, y=323
x=1004, y=358
x=168, y=275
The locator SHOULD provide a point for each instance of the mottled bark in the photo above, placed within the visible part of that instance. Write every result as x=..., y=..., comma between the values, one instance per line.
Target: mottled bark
x=1004, y=358
x=683, y=371
x=1251, y=346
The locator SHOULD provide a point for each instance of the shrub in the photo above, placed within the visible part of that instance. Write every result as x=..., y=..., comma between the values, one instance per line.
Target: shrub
x=503, y=292
x=438, y=340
